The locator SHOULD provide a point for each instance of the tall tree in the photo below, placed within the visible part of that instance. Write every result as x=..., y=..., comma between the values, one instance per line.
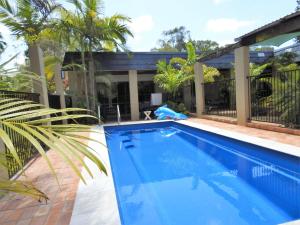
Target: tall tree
x=96, y=33
x=174, y=40
x=205, y=46
x=27, y=19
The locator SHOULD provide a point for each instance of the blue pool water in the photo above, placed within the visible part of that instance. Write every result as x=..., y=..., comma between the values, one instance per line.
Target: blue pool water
x=172, y=174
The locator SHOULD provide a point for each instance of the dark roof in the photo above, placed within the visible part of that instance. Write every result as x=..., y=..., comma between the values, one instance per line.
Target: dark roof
x=146, y=61
x=226, y=61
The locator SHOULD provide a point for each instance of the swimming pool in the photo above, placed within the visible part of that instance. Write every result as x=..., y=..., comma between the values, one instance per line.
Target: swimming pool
x=171, y=174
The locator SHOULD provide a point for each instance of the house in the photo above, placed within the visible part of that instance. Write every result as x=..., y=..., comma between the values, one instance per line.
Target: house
x=118, y=73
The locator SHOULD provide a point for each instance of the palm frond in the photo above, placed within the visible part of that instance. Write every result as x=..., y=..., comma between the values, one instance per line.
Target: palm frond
x=30, y=120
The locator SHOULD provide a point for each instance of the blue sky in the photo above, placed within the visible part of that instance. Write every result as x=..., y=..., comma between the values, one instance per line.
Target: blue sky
x=218, y=20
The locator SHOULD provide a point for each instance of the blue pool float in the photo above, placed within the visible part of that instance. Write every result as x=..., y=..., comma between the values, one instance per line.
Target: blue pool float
x=164, y=112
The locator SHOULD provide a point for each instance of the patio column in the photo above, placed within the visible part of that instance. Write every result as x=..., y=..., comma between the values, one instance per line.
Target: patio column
x=187, y=96
x=60, y=88
x=134, y=95
x=37, y=67
x=241, y=81
x=199, y=90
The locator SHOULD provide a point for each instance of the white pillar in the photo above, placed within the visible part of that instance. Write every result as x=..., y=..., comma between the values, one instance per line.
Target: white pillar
x=134, y=95
x=60, y=88
x=199, y=89
x=242, y=87
x=37, y=67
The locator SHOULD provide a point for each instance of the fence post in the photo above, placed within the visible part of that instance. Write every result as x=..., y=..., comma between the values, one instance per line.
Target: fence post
x=37, y=67
x=199, y=89
x=242, y=87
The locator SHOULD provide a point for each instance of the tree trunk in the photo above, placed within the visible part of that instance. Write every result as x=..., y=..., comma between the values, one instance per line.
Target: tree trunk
x=85, y=80
x=37, y=66
x=92, y=77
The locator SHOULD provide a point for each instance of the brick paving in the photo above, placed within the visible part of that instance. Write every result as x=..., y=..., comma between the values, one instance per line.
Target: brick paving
x=19, y=210
x=270, y=135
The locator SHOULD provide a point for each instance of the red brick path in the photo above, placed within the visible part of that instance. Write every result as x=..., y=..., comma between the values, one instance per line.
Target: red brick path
x=19, y=210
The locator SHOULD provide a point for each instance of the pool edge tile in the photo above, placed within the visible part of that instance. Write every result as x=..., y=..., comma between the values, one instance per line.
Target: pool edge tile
x=102, y=207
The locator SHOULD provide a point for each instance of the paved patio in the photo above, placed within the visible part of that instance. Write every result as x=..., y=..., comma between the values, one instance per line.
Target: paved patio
x=18, y=210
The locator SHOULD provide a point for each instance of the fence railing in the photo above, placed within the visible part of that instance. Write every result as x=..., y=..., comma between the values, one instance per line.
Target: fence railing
x=275, y=98
x=109, y=111
x=220, y=98
x=23, y=147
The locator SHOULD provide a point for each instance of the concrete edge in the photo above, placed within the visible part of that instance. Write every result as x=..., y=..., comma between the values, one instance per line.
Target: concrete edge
x=96, y=201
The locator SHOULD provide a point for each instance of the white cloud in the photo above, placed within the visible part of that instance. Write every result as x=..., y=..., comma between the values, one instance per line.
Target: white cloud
x=227, y=24
x=142, y=24
x=225, y=42
x=218, y=2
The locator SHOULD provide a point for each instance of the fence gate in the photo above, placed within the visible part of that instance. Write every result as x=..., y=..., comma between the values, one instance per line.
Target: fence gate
x=220, y=98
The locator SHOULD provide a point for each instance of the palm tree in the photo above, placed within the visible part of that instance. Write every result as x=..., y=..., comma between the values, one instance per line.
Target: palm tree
x=171, y=77
x=95, y=33
x=27, y=19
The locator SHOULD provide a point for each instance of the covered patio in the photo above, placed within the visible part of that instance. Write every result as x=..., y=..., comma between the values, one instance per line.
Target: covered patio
x=241, y=85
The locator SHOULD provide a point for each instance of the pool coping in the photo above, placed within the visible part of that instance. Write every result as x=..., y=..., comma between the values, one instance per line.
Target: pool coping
x=96, y=202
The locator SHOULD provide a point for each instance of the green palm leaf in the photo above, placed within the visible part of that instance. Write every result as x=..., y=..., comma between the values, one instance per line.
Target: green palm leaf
x=66, y=140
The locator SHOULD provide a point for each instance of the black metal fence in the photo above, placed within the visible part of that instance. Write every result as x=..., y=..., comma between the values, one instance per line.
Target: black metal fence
x=23, y=147
x=220, y=98
x=275, y=98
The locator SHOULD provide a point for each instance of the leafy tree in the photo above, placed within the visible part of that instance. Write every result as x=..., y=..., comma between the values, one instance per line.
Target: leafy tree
x=95, y=33
x=174, y=40
x=171, y=77
x=205, y=46
x=28, y=18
